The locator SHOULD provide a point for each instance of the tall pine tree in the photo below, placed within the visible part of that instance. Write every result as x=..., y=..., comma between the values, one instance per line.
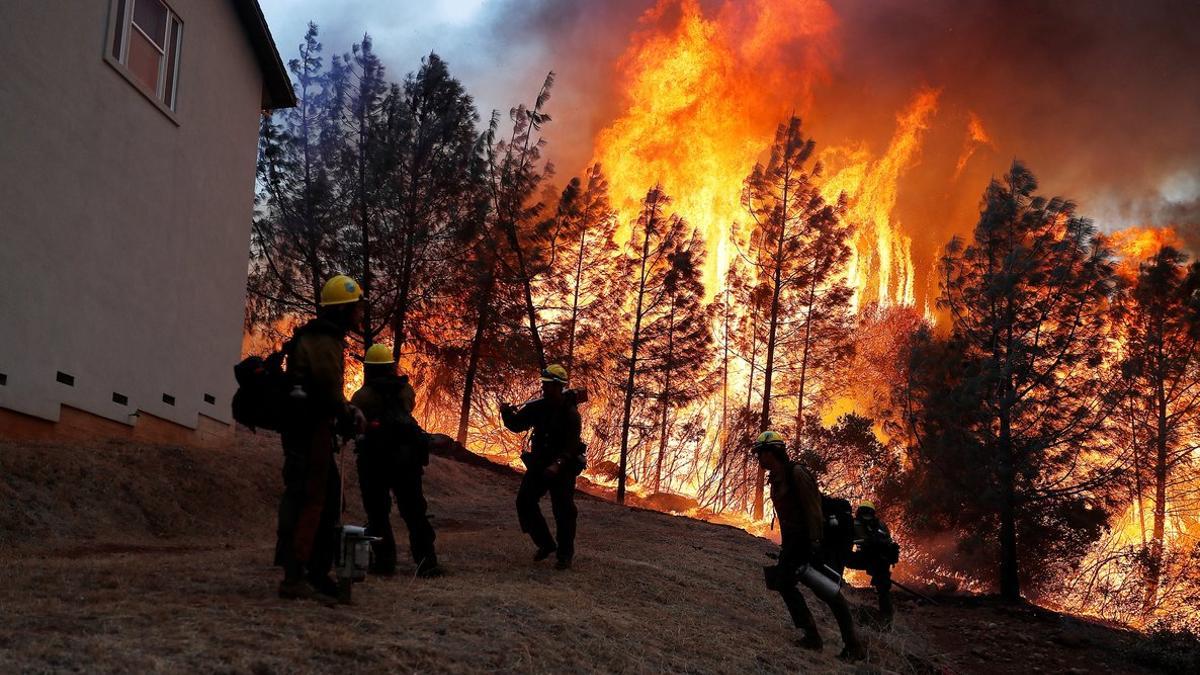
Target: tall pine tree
x=798, y=245
x=1161, y=365
x=1028, y=298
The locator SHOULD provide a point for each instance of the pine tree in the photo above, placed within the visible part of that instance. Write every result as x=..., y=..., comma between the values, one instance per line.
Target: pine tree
x=1028, y=300
x=294, y=236
x=431, y=129
x=358, y=133
x=799, y=245
x=678, y=340
x=1161, y=366
x=585, y=254
x=514, y=178
x=655, y=237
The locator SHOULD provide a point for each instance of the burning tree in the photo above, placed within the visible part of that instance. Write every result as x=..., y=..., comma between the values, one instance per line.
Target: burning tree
x=577, y=289
x=848, y=459
x=512, y=176
x=1028, y=300
x=798, y=249
x=679, y=341
x=656, y=238
x=1161, y=364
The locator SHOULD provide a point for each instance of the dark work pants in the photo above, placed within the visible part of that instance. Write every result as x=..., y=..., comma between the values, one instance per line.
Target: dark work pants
x=311, y=502
x=534, y=486
x=380, y=477
x=881, y=579
x=802, y=617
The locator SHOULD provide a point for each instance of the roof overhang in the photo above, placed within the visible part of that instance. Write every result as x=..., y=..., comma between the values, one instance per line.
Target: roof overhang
x=277, y=84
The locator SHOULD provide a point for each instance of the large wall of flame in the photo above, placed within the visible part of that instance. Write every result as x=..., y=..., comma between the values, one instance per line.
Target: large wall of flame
x=1102, y=100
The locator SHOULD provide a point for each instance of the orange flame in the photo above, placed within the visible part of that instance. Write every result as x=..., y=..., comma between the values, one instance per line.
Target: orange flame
x=977, y=137
x=881, y=268
x=703, y=98
x=702, y=101
x=1135, y=244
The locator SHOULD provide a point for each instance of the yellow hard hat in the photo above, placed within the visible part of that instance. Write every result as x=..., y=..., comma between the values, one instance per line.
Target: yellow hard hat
x=378, y=354
x=340, y=290
x=867, y=505
x=554, y=373
x=767, y=439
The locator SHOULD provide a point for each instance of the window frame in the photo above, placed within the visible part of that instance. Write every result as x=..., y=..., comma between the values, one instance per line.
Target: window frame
x=122, y=29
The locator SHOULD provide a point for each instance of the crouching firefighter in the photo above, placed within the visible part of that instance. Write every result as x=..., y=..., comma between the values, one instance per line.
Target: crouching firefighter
x=315, y=413
x=798, y=506
x=555, y=459
x=392, y=455
x=875, y=552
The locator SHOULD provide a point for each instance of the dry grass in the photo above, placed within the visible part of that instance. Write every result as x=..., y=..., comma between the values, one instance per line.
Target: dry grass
x=157, y=560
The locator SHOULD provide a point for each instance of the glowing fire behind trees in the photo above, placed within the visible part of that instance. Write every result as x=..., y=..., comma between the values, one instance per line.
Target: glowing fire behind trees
x=703, y=86
x=698, y=113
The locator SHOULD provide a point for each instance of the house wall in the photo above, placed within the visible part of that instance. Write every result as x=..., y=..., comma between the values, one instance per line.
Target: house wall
x=123, y=232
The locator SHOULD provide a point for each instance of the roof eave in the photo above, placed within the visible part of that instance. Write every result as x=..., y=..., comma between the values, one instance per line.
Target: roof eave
x=277, y=84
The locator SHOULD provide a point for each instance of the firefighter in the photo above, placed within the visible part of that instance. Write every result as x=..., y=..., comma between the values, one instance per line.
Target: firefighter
x=317, y=412
x=797, y=502
x=392, y=454
x=554, y=461
x=875, y=552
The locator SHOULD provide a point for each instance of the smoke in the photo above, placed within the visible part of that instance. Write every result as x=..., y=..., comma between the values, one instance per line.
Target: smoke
x=1100, y=98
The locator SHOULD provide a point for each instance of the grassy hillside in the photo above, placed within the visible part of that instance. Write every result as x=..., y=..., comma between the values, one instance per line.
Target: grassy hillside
x=142, y=559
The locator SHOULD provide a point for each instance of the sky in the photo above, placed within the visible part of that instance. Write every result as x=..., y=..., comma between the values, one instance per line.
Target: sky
x=477, y=38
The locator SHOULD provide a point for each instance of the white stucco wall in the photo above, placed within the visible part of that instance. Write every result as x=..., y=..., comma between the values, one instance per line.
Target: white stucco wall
x=123, y=235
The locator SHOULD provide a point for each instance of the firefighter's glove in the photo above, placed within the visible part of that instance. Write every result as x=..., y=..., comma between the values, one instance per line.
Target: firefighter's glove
x=351, y=423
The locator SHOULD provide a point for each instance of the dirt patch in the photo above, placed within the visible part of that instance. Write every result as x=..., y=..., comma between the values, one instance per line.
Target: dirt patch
x=146, y=576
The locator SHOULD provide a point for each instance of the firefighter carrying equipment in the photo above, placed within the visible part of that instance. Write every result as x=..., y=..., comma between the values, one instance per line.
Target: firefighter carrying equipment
x=378, y=354
x=554, y=373
x=340, y=290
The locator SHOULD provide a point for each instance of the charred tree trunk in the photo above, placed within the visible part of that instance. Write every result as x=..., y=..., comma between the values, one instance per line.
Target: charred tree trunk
x=364, y=222
x=769, y=365
x=1137, y=469
x=481, y=324
x=407, y=265
x=1154, y=566
x=1010, y=581
x=753, y=357
x=526, y=286
x=666, y=398
x=575, y=302
x=812, y=298
x=723, y=439
x=634, y=344
x=725, y=375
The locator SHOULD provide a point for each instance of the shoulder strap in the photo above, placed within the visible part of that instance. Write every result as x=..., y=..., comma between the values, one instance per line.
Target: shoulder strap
x=791, y=477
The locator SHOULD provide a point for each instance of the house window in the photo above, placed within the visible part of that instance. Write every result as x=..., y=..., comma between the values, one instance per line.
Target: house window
x=146, y=39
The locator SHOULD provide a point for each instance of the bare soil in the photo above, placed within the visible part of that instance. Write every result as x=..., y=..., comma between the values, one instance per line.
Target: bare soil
x=122, y=558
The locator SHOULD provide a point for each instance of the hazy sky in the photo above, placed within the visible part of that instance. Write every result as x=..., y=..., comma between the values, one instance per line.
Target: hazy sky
x=468, y=34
